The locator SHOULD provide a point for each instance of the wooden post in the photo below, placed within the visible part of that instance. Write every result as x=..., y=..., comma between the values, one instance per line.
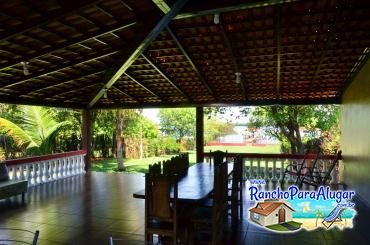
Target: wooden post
x=199, y=133
x=86, y=137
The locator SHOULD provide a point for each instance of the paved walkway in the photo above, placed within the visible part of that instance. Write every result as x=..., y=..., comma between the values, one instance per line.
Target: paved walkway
x=289, y=226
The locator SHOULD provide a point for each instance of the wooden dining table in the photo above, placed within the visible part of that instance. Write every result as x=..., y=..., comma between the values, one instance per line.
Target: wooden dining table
x=195, y=185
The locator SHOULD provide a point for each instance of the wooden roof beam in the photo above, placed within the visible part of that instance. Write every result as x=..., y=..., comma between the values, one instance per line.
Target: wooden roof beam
x=187, y=56
x=165, y=77
x=126, y=94
x=67, y=81
x=141, y=42
x=79, y=40
x=143, y=86
x=9, y=84
x=235, y=60
x=224, y=7
x=74, y=8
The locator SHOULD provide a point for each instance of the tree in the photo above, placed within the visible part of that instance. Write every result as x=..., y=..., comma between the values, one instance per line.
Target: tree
x=214, y=129
x=287, y=123
x=178, y=123
x=119, y=127
x=34, y=129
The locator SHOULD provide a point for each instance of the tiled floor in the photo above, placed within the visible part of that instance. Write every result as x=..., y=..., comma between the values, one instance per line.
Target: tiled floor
x=88, y=209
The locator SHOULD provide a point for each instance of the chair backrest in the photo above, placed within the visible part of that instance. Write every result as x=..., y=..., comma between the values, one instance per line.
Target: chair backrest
x=218, y=157
x=331, y=167
x=158, y=197
x=310, y=165
x=237, y=175
x=155, y=169
x=219, y=210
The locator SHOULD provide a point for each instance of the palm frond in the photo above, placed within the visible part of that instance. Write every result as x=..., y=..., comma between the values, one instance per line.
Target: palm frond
x=20, y=137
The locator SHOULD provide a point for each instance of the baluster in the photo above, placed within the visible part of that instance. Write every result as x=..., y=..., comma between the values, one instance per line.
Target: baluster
x=46, y=172
x=281, y=170
x=66, y=167
x=76, y=165
x=60, y=169
x=56, y=169
x=291, y=180
x=34, y=174
x=274, y=179
x=73, y=172
x=334, y=174
x=83, y=163
x=22, y=172
x=79, y=164
x=267, y=174
x=251, y=169
x=324, y=167
x=41, y=172
x=51, y=170
x=259, y=168
x=70, y=166
x=28, y=174
x=14, y=173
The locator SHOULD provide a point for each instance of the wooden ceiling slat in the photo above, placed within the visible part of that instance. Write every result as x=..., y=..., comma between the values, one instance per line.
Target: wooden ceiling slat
x=79, y=40
x=229, y=8
x=142, y=42
x=165, y=76
x=143, y=86
x=187, y=56
x=63, y=12
x=235, y=60
x=9, y=84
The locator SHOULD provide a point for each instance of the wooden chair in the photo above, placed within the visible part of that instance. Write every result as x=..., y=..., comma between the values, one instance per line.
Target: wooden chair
x=305, y=168
x=320, y=176
x=155, y=169
x=161, y=207
x=236, y=190
x=218, y=157
x=209, y=222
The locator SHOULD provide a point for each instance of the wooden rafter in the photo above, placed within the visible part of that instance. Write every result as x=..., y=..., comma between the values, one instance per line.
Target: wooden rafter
x=96, y=72
x=187, y=56
x=278, y=47
x=141, y=43
x=234, y=58
x=126, y=94
x=165, y=76
x=226, y=103
x=9, y=84
x=63, y=12
x=79, y=40
x=143, y=86
x=229, y=8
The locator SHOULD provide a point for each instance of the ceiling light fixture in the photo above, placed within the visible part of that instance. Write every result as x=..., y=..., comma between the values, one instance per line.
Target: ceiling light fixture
x=25, y=68
x=216, y=19
x=238, y=77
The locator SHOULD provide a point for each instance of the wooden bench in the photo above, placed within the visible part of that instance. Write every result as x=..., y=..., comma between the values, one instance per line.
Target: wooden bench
x=9, y=188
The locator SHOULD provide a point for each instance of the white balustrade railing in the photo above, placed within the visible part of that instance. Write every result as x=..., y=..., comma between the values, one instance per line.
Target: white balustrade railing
x=271, y=167
x=44, y=169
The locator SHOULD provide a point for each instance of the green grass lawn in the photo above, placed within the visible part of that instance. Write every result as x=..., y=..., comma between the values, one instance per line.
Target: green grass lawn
x=141, y=165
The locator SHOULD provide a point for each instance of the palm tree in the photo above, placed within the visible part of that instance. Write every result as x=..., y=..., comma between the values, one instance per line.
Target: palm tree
x=34, y=131
x=319, y=214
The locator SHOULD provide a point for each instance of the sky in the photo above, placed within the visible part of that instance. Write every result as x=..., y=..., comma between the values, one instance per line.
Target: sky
x=232, y=116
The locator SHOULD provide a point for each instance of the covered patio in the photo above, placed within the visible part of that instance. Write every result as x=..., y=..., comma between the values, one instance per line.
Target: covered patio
x=91, y=55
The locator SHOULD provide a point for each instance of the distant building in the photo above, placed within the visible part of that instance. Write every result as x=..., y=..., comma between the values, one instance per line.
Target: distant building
x=271, y=213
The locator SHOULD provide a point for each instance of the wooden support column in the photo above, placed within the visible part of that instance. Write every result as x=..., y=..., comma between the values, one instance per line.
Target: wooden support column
x=86, y=137
x=199, y=133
